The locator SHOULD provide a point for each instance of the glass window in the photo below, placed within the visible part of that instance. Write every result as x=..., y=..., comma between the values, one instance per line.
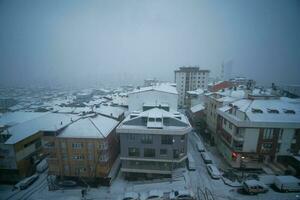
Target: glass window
x=149, y=153
x=147, y=139
x=133, y=152
x=268, y=134
x=166, y=139
x=163, y=152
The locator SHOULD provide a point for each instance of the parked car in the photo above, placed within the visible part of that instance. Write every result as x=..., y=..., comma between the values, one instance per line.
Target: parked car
x=25, y=183
x=154, y=195
x=42, y=166
x=206, y=158
x=191, y=162
x=200, y=147
x=287, y=183
x=213, y=171
x=254, y=187
x=130, y=196
x=182, y=195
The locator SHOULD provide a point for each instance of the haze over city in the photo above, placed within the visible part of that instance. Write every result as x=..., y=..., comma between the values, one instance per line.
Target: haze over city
x=124, y=42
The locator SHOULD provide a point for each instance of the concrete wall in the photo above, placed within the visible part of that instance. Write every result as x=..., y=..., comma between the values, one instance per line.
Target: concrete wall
x=250, y=139
x=286, y=140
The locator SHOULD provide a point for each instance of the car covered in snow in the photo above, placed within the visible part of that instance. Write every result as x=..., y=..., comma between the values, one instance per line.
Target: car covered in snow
x=182, y=195
x=213, y=171
x=153, y=195
x=254, y=187
x=206, y=158
x=130, y=196
x=25, y=183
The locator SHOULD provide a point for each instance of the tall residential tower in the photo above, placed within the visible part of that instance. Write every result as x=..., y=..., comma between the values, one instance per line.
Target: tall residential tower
x=189, y=78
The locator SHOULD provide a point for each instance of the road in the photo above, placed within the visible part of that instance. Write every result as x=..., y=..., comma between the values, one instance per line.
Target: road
x=38, y=185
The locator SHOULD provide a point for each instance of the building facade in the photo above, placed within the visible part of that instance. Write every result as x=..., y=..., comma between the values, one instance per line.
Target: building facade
x=188, y=79
x=85, y=149
x=153, y=142
x=258, y=131
x=21, y=144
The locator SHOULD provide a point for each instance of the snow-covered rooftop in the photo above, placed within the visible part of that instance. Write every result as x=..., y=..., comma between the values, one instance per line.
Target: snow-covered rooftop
x=197, y=108
x=114, y=112
x=163, y=87
x=199, y=91
x=48, y=122
x=90, y=127
x=268, y=110
x=14, y=118
x=155, y=118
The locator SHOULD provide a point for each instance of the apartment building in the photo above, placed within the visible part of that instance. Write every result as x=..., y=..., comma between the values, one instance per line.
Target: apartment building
x=85, y=149
x=153, y=142
x=215, y=100
x=21, y=141
x=188, y=79
x=257, y=130
x=163, y=95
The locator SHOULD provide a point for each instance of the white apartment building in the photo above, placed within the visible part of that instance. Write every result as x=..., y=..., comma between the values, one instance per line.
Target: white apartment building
x=259, y=130
x=162, y=95
x=188, y=79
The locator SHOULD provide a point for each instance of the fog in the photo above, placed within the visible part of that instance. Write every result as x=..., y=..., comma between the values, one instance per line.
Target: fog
x=123, y=42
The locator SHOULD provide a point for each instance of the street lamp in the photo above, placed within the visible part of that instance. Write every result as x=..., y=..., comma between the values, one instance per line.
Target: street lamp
x=242, y=166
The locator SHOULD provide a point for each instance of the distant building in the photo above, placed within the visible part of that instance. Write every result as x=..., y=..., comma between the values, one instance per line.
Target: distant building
x=215, y=100
x=87, y=149
x=163, y=96
x=150, y=82
x=214, y=87
x=195, y=97
x=21, y=141
x=153, y=142
x=258, y=130
x=188, y=79
x=291, y=91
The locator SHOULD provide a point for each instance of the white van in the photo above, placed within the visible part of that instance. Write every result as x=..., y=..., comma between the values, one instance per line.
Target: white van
x=191, y=162
x=200, y=147
x=287, y=183
x=206, y=158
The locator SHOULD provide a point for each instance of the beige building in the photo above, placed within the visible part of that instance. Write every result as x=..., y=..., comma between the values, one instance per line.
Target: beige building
x=86, y=149
x=188, y=79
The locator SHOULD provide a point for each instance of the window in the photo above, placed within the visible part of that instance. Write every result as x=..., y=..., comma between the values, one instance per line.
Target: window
x=149, y=153
x=77, y=145
x=90, y=146
x=63, y=145
x=175, y=153
x=91, y=156
x=78, y=157
x=182, y=138
x=225, y=122
x=133, y=152
x=147, y=139
x=50, y=145
x=268, y=134
x=131, y=136
x=230, y=125
x=267, y=147
x=166, y=139
x=163, y=152
x=64, y=155
x=66, y=168
x=103, y=157
x=151, y=119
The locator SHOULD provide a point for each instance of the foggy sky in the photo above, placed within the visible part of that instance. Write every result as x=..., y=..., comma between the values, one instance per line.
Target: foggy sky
x=54, y=42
